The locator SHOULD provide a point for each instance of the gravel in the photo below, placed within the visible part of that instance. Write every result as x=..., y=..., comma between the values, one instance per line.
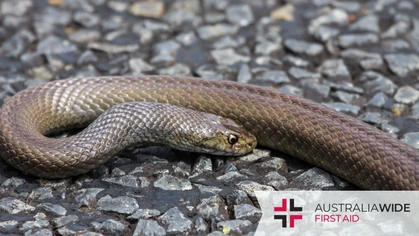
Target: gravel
x=360, y=58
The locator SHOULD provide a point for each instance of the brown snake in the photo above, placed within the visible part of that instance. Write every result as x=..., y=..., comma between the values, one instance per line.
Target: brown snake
x=331, y=140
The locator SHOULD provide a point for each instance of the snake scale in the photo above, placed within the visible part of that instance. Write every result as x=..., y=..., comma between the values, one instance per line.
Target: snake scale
x=338, y=143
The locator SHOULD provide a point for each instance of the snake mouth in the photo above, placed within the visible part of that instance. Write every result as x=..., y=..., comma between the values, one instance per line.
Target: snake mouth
x=247, y=147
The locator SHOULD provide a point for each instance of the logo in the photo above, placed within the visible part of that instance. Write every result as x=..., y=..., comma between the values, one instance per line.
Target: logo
x=291, y=217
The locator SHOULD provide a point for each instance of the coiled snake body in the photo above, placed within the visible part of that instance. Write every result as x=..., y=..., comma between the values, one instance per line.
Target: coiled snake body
x=312, y=132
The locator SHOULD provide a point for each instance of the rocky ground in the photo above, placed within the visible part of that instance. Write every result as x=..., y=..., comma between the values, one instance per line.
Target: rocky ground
x=358, y=57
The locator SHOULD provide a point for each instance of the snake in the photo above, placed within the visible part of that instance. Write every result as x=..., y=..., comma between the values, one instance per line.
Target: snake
x=338, y=143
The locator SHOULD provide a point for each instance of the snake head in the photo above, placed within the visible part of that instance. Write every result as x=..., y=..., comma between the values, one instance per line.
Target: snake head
x=229, y=138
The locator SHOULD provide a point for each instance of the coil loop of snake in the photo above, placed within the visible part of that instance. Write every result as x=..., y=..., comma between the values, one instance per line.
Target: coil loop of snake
x=340, y=144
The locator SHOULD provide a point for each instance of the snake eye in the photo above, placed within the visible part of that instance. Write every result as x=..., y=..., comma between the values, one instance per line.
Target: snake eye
x=232, y=139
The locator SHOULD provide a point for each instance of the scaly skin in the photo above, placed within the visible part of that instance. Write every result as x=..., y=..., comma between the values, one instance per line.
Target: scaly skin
x=338, y=143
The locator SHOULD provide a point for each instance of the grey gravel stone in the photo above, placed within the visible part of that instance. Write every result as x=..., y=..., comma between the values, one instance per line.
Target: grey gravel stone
x=166, y=47
x=296, y=61
x=45, y=24
x=390, y=129
x=372, y=64
x=14, y=206
x=8, y=226
x=18, y=8
x=378, y=100
x=212, y=31
x=74, y=229
x=247, y=212
x=203, y=163
x=343, y=107
x=334, y=16
x=291, y=89
x=205, y=71
x=266, y=47
x=13, y=182
x=176, y=222
x=346, y=97
x=366, y=23
x=412, y=139
x=240, y=15
x=356, y=40
x=126, y=180
x=254, y=156
x=398, y=28
x=55, y=45
x=250, y=187
x=367, y=60
x=228, y=56
x=323, y=33
x=358, y=55
x=274, y=76
x=41, y=232
x=300, y=73
x=113, y=48
x=144, y=214
x=415, y=111
x=84, y=36
x=230, y=176
x=180, y=17
x=375, y=82
x=402, y=64
x=110, y=226
x=118, y=6
x=284, y=12
x=371, y=117
x=350, y=6
x=212, y=208
x=169, y=182
x=87, y=57
x=146, y=35
x=304, y=47
x=207, y=190
x=234, y=226
x=276, y=180
x=122, y=204
x=147, y=9
x=177, y=69
x=41, y=193
x=315, y=89
x=201, y=226
x=149, y=228
x=55, y=209
x=214, y=17
x=314, y=178
x=187, y=38
x=219, y=5
x=244, y=74
x=406, y=94
x=266, y=61
x=87, y=19
x=39, y=223
x=216, y=233
x=156, y=26
x=63, y=220
x=17, y=44
x=334, y=69
x=138, y=65
x=87, y=197
x=395, y=44
x=276, y=164
x=237, y=197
